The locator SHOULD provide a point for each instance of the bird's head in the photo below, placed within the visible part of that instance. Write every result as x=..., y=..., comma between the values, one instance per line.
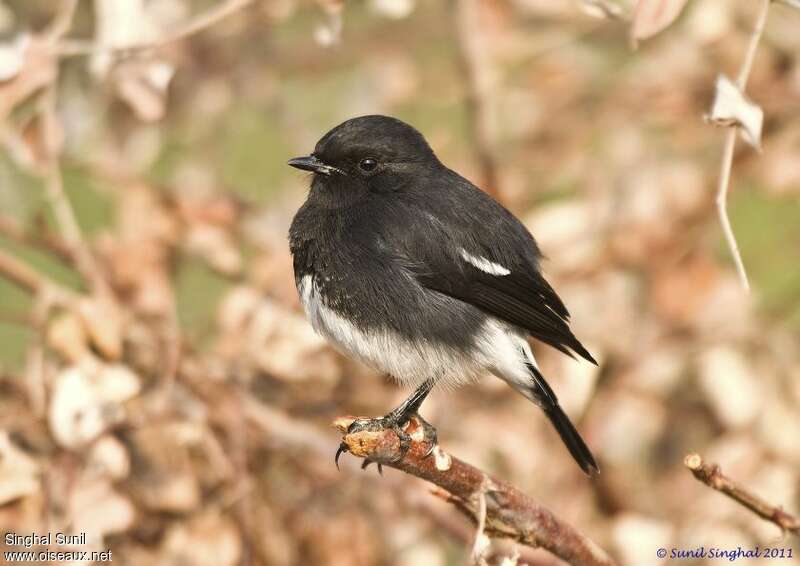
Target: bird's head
x=366, y=155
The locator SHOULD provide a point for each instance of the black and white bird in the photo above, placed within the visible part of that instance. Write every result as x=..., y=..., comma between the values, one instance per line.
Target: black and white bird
x=405, y=265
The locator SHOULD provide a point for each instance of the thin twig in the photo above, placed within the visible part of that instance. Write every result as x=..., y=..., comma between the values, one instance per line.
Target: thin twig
x=62, y=209
x=237, y=442
x=62, y=21
x=24, y=320
x=479, y=83
x=76, y=48
x=54, y=183
x=35, y=366
x=14, y=230
x=752, y=47
x=480, y=546
x=509, y=512
x=20, y=274
x=730, y=145
x=463, y=533
x=28, y=279
x=712, y=476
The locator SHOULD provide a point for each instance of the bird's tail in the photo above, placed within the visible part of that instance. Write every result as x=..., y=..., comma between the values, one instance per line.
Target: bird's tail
x=541, y=393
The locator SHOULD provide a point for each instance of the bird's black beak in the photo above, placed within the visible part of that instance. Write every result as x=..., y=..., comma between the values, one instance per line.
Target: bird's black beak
x=314, y=164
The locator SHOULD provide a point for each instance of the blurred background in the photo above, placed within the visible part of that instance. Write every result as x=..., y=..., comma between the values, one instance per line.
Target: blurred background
x=160, y=388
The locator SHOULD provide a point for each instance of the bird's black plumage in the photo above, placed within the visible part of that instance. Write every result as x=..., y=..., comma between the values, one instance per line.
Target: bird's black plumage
x=405, y=264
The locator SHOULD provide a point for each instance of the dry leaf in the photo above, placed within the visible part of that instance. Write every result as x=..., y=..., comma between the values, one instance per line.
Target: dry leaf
x=138, y=257
x=277, y=340
x=237, y=309
x=143, y=85
x=512, y=560
x=18, y=471
x=635, y=536
x=395, y=9
x=98, y=510
x=27, y=65
x=12, y=56
x=119, y=23
x=209, y=539
x=565, y=228
x=30, y=148
x=178, y=493
x=102, y=320
x=710, y=20
x=632, y=412
x=36, y=70
x=732, y=108
x=272, y=537
x=142, y=82
x=653, y=16
x=87, y=400
x=603, y=9
x=110, y=457
x=66, y=334
x=680, y=290
x=166, y=480
x=731, y=386
x=216, y=246
x=330, y=32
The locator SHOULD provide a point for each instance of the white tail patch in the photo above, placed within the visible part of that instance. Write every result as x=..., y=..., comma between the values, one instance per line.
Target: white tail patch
x=484, y=264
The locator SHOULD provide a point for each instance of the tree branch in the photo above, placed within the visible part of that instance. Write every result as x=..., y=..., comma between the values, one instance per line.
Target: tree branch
x=76, y=48
x=712, y=476
x=509, y=512
x=730, y=144
x=276, y=426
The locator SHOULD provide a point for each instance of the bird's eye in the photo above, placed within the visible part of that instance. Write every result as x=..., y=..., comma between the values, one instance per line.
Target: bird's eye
x=367, y=164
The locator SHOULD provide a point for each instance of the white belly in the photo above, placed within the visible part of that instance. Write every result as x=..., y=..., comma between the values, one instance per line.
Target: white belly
x=499, y=348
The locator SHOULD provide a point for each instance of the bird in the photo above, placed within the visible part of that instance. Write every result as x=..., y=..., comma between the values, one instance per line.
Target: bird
x=405, y=265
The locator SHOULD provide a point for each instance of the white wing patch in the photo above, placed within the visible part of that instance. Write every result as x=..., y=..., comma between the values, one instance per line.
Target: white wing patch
x=484, y=264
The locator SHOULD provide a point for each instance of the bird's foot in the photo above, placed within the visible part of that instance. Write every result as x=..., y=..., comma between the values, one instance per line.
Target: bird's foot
x=398, y=424
x=379, y=424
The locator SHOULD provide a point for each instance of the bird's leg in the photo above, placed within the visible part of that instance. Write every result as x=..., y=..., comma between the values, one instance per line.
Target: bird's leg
x=396, y=419
x=410, y=407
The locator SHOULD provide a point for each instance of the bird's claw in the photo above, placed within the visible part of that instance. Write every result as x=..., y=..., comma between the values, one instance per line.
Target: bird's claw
x=405, y=441
x=365, y=464
x=339, y=451
x=395, y=424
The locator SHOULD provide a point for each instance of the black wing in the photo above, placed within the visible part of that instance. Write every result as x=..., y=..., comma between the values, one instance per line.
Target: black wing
x=522, y=298
x=433, y=237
